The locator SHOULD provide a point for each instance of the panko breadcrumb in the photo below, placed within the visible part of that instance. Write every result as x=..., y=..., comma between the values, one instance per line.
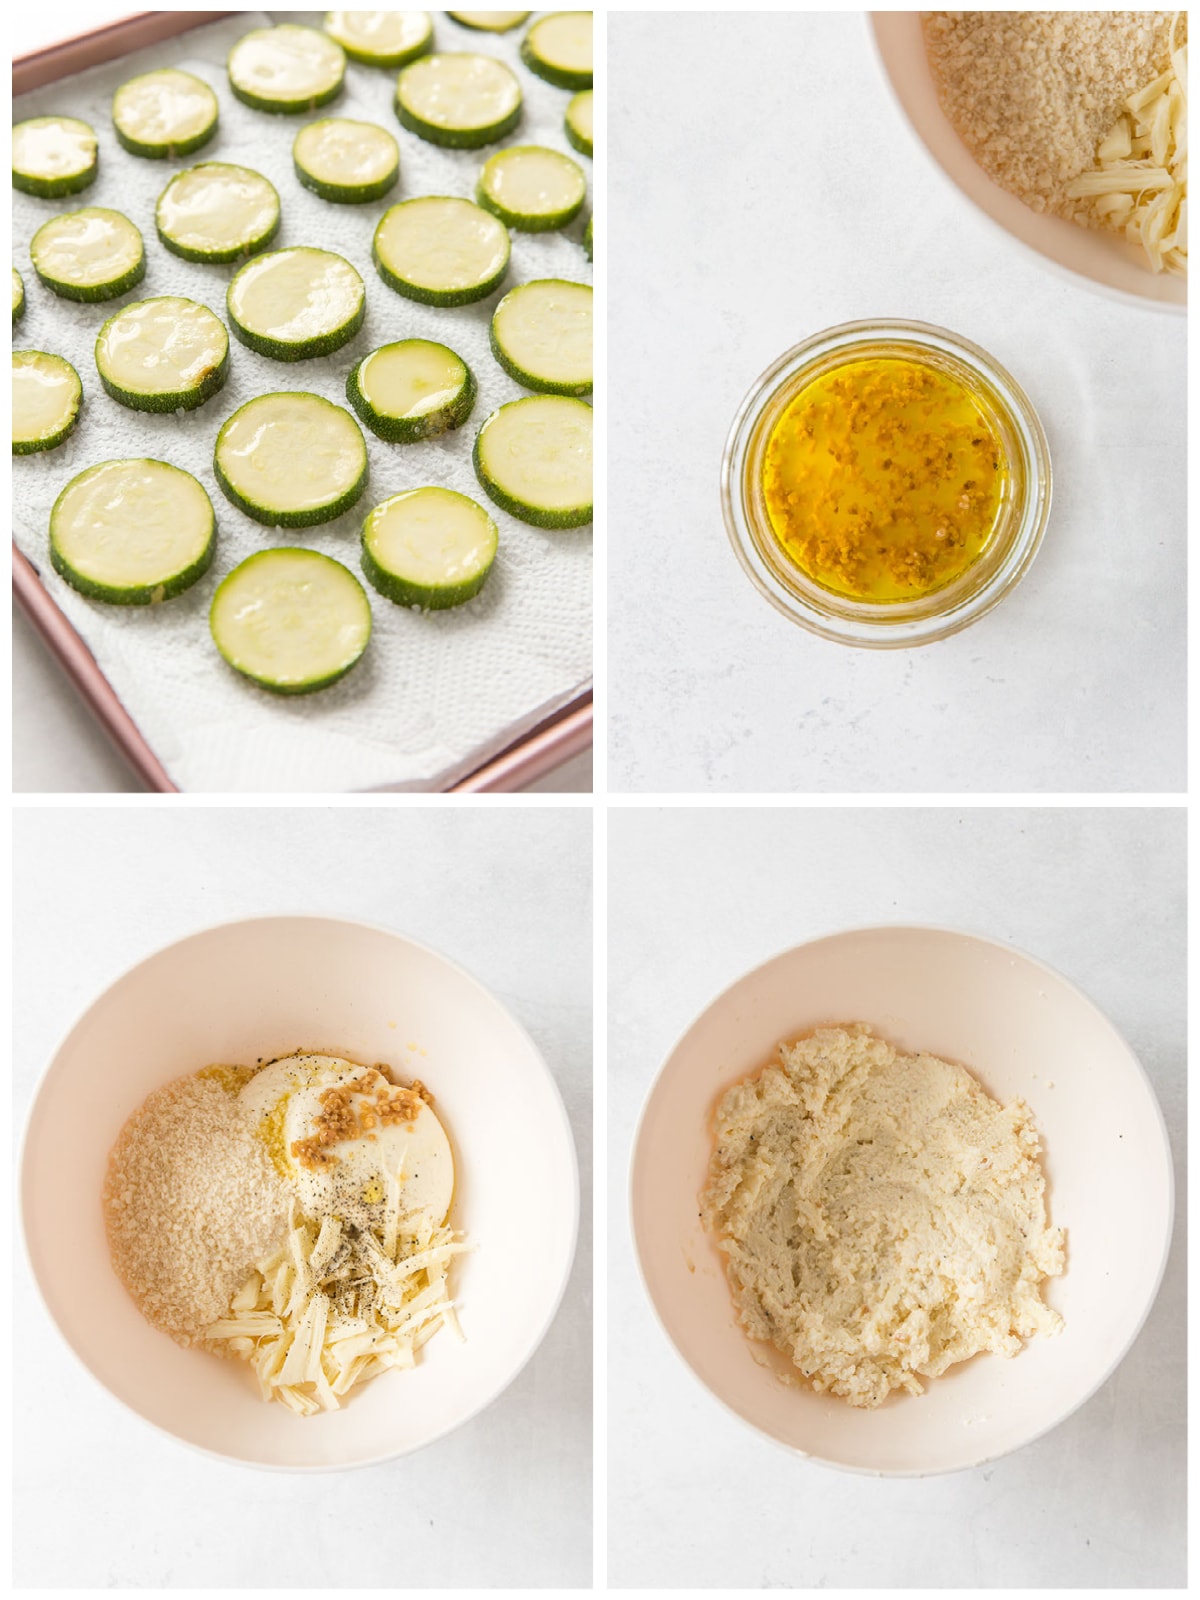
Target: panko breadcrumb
x=882, y=1217
x=191, y=1201
x=1032, y=93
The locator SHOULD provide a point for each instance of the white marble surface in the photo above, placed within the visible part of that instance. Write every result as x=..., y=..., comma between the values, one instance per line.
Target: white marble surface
x=775, y=189
x=103, y=1501
x=60, y=748
x=696, y=898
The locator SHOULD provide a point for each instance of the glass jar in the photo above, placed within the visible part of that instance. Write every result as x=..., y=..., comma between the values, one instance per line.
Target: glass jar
x=1021, y=519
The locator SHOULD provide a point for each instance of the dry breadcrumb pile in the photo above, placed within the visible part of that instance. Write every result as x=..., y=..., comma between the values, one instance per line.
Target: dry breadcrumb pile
x=1032, y=93
x=191, y=1200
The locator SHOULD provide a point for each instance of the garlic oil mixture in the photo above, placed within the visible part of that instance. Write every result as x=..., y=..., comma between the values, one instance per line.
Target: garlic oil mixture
x=884, y=479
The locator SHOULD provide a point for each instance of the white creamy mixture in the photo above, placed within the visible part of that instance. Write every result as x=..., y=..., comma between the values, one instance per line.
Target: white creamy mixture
x=882, y=1216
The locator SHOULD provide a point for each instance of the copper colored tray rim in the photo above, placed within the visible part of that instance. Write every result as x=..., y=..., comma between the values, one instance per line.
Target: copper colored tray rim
x=554, y=740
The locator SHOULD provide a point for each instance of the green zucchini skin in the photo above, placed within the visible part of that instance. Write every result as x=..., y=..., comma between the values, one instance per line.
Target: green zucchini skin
x=529, y=380
x=180, y=400
x=435, y=297
x=403, y=593
x=535, y=516
x=575, y=136
x=322, y=345
x=91, y=293
x=457, y=138
x=524, y=221
x=310, y=685
x=587, y=239
x=341, y=194
x=411, y=430
x=391, y=61
x=217, y=257
x=50, y=441
x=56, y=188
x=141, y=595
x=19, y=303
x=164, y=152
x=560, y=77
x=288, y=519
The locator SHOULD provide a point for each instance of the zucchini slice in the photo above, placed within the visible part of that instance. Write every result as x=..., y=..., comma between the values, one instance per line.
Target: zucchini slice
x=531, y=188
x=578, y=121
x=441, y=251
x=490, y=21
x=132, y=532
x=346, y=162
x=463, y=101
x=412, y=390
x=542, y=336
x=167, y=354
x=293, y=304
x=217, y=212
x=18, y=296
x=286, y=69
x=291, y=620
x=587, y=238
x=46, y=393
x=53, y=156
x=534, y=459
x=291, y=460
x=93, y=254
x=381, y=38
x=559, y=49
x=429, y=548
x=164, y=114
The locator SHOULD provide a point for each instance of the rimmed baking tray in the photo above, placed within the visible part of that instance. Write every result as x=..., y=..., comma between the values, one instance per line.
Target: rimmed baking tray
x=529, y=755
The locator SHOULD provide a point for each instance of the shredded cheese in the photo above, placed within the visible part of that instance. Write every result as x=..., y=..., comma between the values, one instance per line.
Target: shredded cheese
x=334, y=1307
x=1140, y=181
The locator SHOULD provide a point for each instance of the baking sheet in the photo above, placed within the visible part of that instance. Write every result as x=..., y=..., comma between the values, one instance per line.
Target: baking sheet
x=436, y=695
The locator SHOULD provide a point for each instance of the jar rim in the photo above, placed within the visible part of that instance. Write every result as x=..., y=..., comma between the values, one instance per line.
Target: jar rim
x=887, y=625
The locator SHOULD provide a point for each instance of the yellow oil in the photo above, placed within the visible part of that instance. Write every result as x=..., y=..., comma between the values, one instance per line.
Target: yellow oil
x=884, y=479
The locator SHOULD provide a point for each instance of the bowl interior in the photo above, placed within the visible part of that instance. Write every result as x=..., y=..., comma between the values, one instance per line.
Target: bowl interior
x=1023, y=1031
x=259, y=989
x=1104, y=260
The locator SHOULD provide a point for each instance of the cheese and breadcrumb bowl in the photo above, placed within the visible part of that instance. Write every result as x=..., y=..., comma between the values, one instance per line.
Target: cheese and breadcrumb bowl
x=1062, y=1101
x=320, y=1000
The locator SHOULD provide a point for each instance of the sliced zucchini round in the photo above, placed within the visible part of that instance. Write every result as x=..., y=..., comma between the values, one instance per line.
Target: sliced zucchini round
x=167, y=354
x=291, y=460
x=441, y=251
x=132, y=532
x=429, y=548
x=534, y=459
x=291, y=620
x=53, y=156
x=587, y=238
x=46, y=393
x=531, y=188
x=346, y=162
x=578, y=121
x=164, y=114
x=286, y=69
x=412, y=390
x=559, y=49
x=381, y=38
x=542, y=336
x=490, y=21
x=217, y=212
x=18, y=296
x=463, y=101
x=293, y=304
x=93, y=254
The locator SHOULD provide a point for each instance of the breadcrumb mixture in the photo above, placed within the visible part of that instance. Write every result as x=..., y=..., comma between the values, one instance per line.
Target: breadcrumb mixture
x=191, y=1199
x=1032, y=93
x=882, y=1216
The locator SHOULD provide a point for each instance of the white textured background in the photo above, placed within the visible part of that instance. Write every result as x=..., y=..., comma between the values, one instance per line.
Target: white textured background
x=102, y=1500
x=697, y=898
x=434, y=695
x=768, y=187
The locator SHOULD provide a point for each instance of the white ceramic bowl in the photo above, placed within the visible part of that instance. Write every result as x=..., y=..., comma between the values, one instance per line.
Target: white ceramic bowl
x=1099, y=259
x=259, y=989
x=1022, y=1030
